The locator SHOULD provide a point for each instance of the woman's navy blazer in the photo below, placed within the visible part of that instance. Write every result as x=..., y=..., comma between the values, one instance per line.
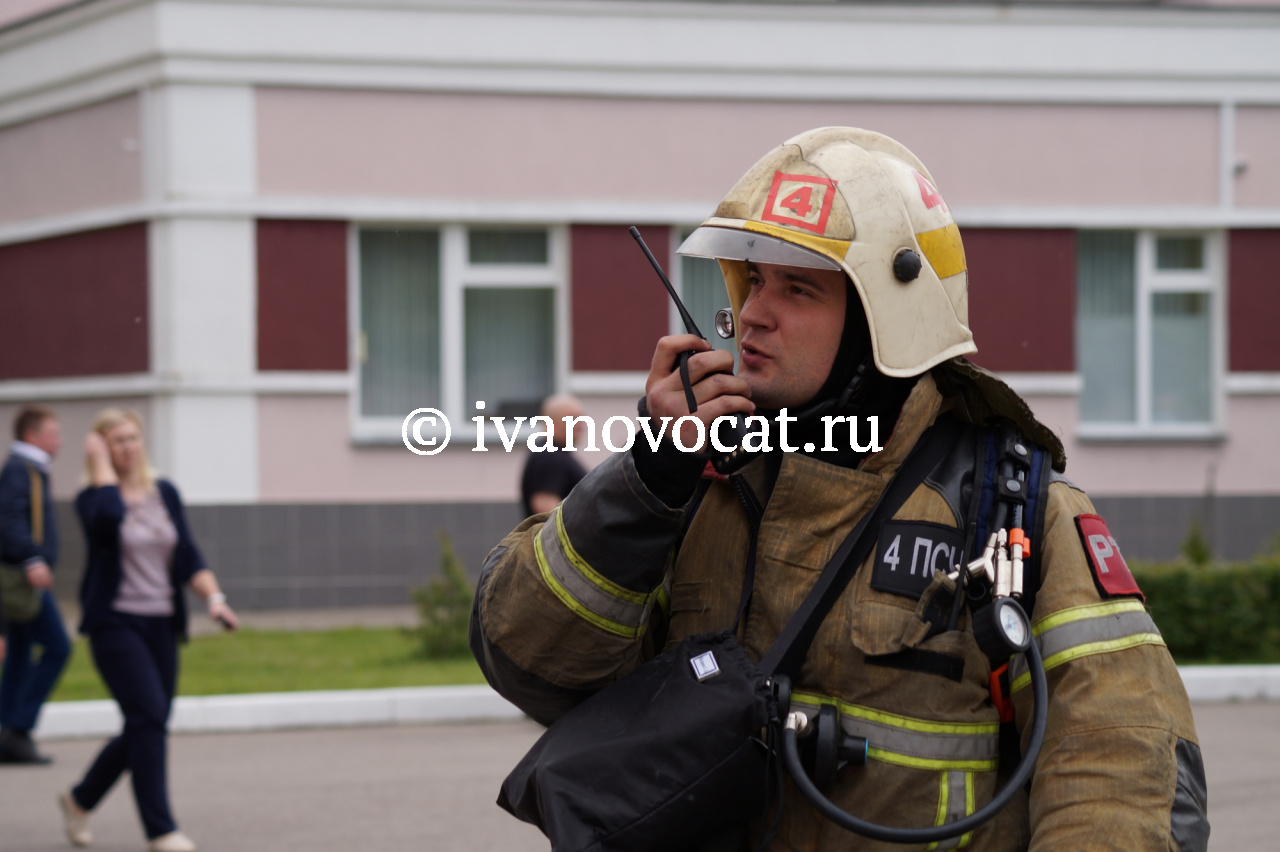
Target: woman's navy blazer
x=101, y=511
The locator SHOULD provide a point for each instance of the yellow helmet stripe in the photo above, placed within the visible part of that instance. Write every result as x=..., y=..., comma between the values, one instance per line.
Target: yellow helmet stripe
x=944, y=250
x=834, y=249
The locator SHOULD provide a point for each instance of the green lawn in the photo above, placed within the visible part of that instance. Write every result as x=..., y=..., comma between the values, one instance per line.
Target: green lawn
x=253, y=661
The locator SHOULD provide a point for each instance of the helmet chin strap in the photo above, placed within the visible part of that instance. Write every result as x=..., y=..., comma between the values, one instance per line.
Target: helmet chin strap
x=850, y=398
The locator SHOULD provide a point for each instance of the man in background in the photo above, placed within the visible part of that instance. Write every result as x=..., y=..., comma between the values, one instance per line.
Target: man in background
x=29, y=550
x=550, y=476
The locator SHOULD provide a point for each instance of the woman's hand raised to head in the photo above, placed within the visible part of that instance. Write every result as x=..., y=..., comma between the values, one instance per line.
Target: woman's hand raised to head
x=98, y=457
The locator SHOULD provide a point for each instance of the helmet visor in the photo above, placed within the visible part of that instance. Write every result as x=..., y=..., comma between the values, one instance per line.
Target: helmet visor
x=734, y=244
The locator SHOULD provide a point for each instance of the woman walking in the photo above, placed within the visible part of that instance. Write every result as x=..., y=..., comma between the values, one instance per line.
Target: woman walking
x=141, y=556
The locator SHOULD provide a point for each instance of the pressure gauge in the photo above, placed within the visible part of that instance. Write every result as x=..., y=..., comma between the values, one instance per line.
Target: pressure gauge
x=1002, y=629
x=1012, y=624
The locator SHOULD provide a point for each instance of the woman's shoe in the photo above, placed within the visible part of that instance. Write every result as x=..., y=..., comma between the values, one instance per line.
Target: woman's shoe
x=174, y=841
x=75, y=820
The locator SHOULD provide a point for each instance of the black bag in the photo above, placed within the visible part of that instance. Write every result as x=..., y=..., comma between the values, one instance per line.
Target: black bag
x=677, y=753
x=656, y=760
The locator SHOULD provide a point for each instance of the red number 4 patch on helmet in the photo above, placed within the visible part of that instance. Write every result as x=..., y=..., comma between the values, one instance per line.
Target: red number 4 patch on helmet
x=928, y=194
x=1109, y=569
x=802, y=201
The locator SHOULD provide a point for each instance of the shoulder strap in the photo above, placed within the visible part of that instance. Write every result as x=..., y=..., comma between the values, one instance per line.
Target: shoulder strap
x=1037, y=502
x=792, y=645
x=37, y=505
x=982, y=509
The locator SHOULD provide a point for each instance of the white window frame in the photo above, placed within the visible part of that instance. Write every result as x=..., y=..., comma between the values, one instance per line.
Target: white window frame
x=1148, y=281
x=675, y=272
x=457, y=274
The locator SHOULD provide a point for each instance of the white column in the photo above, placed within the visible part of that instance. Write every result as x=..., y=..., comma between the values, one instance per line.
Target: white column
x=203, y=294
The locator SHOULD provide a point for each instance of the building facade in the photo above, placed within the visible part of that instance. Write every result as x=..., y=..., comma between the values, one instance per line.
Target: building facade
x=277, y=227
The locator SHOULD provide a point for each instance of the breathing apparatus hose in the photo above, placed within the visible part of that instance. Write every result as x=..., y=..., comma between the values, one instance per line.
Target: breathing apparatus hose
x=1039, y=722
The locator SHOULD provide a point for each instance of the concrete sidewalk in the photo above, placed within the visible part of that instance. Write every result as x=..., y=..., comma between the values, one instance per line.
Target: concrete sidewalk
x=432, y=787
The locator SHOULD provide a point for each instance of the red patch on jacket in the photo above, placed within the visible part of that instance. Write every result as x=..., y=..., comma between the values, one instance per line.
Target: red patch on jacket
x=1109, y=569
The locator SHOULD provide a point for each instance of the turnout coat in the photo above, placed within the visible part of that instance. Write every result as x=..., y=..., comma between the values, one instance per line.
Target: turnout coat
x=575, y=599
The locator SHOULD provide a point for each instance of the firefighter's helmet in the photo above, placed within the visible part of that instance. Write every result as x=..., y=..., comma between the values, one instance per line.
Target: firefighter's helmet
x=855, y=200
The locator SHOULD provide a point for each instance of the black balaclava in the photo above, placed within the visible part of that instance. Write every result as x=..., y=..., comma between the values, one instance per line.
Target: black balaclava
x=854, y=388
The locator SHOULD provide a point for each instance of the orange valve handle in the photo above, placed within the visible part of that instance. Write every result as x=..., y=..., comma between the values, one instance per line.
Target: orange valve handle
x=1017, y=536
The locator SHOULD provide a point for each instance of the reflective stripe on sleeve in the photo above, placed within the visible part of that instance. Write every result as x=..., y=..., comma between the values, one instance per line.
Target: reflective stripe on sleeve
x=585, y=591
x=917, y=743
x=1083, y=631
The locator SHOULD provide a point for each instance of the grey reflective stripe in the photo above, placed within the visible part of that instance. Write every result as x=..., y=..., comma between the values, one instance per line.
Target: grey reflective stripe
x=1054, y=476
x=1087, y=636
x=585, y=594
x=957, y=805
x=891, y=743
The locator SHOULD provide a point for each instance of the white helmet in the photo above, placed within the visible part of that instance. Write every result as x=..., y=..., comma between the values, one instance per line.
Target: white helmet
x=855, y=200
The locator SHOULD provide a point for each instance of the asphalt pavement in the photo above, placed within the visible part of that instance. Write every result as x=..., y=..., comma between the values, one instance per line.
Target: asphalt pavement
x=432, y=787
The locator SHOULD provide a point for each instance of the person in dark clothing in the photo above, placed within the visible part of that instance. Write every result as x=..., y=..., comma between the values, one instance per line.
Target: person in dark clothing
x=549, y=476
x=141, y=556
x=29, y=549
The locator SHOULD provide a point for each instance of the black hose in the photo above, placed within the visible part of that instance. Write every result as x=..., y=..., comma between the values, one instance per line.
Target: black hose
x=1039, y=722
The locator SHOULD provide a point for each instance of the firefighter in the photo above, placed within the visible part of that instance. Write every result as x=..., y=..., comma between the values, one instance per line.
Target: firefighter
x=847, y=282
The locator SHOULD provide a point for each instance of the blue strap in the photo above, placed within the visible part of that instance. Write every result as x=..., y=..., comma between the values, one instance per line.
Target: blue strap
x=987, y=500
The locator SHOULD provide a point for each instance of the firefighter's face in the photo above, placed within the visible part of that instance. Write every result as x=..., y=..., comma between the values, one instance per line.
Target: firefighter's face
x=792, y=321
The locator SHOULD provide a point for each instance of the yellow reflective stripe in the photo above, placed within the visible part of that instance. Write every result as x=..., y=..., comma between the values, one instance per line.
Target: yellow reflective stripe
x=898, y=721
x=1076, y=613
x=944, y=250
x=941, y=816
x=929, y=762
x=578, y=609
x=834, y=249
x=664, y=599
x=1088, y=650
x=958, y=786
x=604, y=583
x=970, y=803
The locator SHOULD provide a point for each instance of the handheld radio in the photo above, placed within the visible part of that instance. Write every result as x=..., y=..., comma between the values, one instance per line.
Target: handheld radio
x=730, y=435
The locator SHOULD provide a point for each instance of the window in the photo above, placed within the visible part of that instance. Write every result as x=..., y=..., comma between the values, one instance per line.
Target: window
x=451, y=315
x=400, y=320
x=1147, y=344
x=701, y=288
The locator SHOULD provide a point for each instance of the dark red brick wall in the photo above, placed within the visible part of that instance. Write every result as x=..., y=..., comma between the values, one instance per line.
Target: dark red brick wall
x=302, y=295
x=619, y=305
x=1253, y=300
x=1022, y=285
x=75, y=305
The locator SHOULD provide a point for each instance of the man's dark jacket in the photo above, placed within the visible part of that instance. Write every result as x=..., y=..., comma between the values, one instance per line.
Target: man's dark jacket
x=16, y=544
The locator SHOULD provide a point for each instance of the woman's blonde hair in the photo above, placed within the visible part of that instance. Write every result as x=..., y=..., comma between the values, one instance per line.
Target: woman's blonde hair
x=108, y=419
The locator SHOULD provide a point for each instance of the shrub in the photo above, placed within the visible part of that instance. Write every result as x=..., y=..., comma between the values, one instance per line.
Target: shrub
x=1195, y=549
x=1216, y=614
x=444, y=607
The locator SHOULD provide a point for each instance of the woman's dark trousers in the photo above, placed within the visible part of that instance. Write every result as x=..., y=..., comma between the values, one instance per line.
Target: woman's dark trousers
x=137, y=657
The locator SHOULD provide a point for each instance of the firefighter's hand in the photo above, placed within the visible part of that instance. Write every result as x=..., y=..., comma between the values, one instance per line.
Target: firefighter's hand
x=716, y=389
